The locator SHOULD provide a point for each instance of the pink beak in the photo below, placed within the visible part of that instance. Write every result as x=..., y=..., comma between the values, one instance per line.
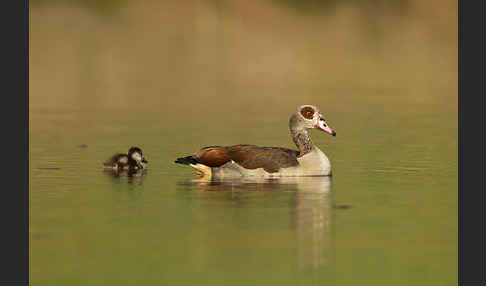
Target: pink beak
x=322, y=125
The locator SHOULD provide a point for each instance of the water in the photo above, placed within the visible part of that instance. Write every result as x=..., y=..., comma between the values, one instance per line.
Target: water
x=388, y=216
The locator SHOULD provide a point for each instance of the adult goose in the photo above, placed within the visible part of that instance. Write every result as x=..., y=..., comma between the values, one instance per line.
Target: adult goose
x=237, y=161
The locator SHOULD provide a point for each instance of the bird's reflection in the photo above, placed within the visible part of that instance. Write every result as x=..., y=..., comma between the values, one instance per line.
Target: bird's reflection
x=310, y=216
x=133, y=176
x=312, y=221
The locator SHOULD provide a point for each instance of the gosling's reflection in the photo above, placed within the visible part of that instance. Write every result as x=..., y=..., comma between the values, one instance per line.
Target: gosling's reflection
x=310, y=215
x=133, y=176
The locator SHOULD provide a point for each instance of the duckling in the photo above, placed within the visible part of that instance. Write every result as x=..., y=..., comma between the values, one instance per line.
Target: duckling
x=134, y=160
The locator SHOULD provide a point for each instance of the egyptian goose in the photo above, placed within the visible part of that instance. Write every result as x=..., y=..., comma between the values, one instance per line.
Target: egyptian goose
x=133, y=160
x=249, y=160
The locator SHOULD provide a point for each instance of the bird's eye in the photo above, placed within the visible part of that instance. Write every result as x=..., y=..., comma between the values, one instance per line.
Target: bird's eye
x=307, y=112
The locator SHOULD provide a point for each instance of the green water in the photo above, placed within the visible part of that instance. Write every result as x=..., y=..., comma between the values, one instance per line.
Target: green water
x=388, y=216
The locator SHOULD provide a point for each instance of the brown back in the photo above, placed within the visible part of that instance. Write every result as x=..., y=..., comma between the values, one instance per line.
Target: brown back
x=213, y=156
x=114, y=159
x=271, y=159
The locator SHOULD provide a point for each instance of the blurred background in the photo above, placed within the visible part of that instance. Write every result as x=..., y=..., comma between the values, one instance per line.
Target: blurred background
x=253, y=53
x=174, y=76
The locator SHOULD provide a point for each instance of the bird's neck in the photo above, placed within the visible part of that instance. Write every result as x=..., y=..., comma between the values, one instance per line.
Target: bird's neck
x=303, y=141
x=300, y=135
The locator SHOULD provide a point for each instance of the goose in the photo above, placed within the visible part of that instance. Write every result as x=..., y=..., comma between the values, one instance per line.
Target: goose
x=244, y=160
x=133, y=160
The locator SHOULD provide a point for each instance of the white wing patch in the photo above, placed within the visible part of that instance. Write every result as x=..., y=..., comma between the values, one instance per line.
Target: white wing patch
x=123, y=160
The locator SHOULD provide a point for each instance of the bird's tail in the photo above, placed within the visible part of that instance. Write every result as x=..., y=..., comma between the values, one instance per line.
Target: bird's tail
x=189, y=160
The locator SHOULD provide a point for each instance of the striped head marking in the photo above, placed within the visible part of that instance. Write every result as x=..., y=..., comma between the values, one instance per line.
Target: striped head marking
x=136, y=154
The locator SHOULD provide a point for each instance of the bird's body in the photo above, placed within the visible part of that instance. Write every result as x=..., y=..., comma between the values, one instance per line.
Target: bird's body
x=133, y=160
x=245, y=160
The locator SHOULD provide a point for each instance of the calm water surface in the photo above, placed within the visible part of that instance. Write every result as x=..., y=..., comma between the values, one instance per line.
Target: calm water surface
x=387, y=216
x=100, y=84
